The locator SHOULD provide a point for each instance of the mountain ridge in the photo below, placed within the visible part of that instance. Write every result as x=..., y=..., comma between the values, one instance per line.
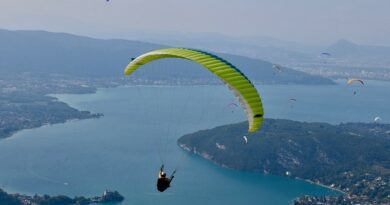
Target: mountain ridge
x=62, y=53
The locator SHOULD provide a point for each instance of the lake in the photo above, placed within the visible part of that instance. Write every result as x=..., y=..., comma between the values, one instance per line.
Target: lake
x=124, y=149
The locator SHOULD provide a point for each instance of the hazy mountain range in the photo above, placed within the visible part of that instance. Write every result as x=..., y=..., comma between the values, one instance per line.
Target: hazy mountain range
x=61, y=53
x=40, y=51
x=279, y=51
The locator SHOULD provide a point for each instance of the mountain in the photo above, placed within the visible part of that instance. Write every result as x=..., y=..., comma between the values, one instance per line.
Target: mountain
x=352, y=157
x=61, y=53
x=40, y=51
x=266, y=48
x=356, y=53
x=344, y=53
x=298, y=147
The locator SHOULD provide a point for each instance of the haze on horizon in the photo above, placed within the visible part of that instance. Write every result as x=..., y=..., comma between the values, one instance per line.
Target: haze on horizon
x=305, y=21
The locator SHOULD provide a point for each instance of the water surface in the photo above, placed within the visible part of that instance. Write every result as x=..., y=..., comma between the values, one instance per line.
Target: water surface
x=124, y=149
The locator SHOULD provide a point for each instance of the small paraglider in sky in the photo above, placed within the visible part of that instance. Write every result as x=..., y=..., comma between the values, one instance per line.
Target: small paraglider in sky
x=245, y=139
x=355, y=80
x=232, y=106
x=292, y=102
x=326, y=54
x=278, y=67
x=377, y=119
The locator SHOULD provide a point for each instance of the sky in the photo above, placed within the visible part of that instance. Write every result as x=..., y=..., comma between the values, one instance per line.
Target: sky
x=315, y=22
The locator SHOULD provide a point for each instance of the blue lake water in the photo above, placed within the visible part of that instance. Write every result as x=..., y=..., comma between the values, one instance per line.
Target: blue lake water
x=124, y=149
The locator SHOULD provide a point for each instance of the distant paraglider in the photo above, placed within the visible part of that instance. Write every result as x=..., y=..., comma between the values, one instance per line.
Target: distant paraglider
x=232, y=106
x=292, y=102
x=355, y=80
x=325, y=56
x=377, y=119
x=278, y=67
x=245, y=139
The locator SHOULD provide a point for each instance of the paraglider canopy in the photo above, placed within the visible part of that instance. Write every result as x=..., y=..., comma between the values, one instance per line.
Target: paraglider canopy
x=233, y=105
x=237, y=82
x=354, y=80
x=245, y=139
x=276, y=66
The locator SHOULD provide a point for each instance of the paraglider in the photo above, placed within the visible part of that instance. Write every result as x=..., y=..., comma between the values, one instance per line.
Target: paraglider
x=241, y=86
x=245, y=139
x=235, y=80
x=377, y=119
x=355, y=80
x=325, y=56
x=292, y=101
x=232, y=106
x=278, y=67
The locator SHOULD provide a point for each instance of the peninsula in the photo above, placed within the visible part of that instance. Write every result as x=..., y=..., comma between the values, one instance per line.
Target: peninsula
x=350, y=157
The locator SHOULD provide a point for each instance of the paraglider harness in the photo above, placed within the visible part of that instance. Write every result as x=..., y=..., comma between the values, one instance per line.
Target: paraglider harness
x=164, y=182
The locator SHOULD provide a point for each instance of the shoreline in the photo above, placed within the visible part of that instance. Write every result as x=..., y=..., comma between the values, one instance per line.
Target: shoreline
x=92, y=116
x=323, y=185
x=12, y=136
x=206, y=157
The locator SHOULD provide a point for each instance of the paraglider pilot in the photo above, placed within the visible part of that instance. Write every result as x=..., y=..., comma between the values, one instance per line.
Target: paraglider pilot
x=164, y=182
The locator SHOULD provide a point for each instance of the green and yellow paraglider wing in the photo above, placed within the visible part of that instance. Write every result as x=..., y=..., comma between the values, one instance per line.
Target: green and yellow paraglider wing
x=228, y=73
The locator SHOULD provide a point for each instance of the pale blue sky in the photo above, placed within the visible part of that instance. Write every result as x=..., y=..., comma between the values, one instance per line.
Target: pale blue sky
x=308, y=21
